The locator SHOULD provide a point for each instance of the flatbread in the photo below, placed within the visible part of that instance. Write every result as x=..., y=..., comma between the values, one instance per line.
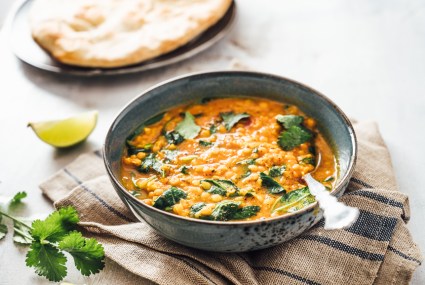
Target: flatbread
x=114, y=33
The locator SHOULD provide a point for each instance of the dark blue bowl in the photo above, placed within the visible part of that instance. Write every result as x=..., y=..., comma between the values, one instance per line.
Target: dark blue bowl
x=230, y=236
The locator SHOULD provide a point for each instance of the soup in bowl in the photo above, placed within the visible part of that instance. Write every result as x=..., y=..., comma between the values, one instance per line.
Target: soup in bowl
x=215, y=161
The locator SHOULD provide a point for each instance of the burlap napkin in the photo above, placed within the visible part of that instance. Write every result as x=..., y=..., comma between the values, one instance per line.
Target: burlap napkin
x=377, y=249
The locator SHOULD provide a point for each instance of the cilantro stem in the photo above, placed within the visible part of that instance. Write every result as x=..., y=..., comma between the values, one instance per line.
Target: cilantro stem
x=23, y=234
x=15, y=219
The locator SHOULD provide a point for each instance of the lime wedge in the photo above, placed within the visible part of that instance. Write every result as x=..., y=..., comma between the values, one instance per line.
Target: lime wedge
x=67, y=132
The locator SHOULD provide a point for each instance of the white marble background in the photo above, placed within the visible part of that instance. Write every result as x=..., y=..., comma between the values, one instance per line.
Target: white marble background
x=367, y=56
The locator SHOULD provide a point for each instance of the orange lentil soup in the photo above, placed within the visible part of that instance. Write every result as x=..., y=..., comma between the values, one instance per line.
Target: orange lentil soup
x=227, y=159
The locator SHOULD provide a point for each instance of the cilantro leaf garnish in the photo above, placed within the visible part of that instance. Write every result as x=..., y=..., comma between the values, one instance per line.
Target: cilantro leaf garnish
x=289, y=120
x=18, y=197
x=55, y=226
x=188, y=128
x=50, y=237
x=230, y=119
x=47, y=260
x=271, y=185
x=87, y=253
x=293, y=137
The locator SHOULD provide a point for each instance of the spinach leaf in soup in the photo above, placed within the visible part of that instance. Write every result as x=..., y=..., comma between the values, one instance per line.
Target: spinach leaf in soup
x=308, y=160
x=195, y=209
x=188, y=128
x=184, y=169
x=173, y=137
x=224, y=211
x=205, y=143
x=213, y=129
x=277, y=171
x=169, y=198
x=151, y=163
x=288, y=121
x=230, y=119
x=246, y=212
x=292, y=199
x=293, y=137
x=222, y=187
x=271, y=185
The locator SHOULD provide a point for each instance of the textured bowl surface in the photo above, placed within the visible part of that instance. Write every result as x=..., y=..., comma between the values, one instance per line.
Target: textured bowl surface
x=230, y=236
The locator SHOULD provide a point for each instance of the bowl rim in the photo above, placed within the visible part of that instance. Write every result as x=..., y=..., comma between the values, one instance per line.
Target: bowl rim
x=338, y=188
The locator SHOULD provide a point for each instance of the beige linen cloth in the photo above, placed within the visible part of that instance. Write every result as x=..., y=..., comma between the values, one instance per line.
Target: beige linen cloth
x=377, y=249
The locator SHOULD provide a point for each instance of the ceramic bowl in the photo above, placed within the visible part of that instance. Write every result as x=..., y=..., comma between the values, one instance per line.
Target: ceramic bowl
x=231, y=236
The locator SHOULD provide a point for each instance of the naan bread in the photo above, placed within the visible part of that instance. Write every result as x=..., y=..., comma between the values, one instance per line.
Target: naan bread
x=113, y=33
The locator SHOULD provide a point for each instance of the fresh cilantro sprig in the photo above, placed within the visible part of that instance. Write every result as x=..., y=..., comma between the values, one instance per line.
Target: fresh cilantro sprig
x=294, y=134
x=51, y=238
x=188, y=128
x=230, y=119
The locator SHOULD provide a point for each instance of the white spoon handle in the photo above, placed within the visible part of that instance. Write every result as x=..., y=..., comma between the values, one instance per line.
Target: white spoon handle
x=337, y=215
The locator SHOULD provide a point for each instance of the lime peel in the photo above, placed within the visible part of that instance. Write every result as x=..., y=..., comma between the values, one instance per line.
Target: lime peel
x=66, y=132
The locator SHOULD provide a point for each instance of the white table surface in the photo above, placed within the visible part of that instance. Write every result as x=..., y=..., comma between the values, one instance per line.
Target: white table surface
x=367, y=56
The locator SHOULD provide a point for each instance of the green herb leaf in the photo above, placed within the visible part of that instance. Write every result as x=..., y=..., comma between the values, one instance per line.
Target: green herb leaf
x=47, y=260
x=308, y=160
x=222, y=187
x=55, y=226
x=246, y=212
x=224, y=211
x=277, y=171
x=288, y=121
x=188, y=128
x=88, y=254
x=194, y=210
x=3, y=230
x=205, y=143
x=21, y=233
x=213, y=129
x=169, y=198
x=244, y=164
x=151, y=163
x=18, y=197
x=291, y=199
x=293, y=137
x=184, y=169
x=271, y=185
x=230, y=119
x=174, y=137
